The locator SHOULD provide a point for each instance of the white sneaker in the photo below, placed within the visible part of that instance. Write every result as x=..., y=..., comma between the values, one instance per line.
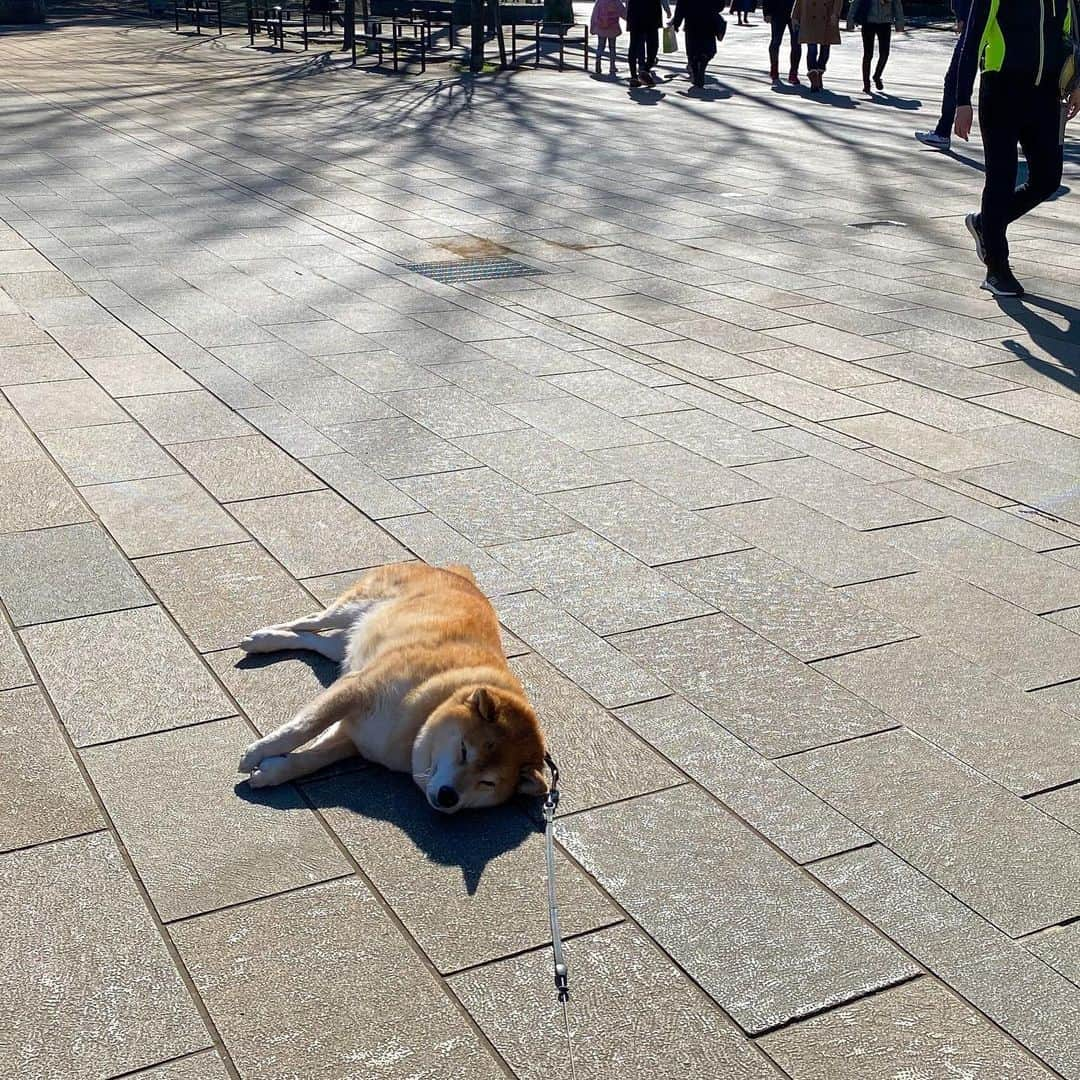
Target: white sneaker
x=933, y=139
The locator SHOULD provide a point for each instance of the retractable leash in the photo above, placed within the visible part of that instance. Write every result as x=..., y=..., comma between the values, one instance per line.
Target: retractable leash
x=562, y=983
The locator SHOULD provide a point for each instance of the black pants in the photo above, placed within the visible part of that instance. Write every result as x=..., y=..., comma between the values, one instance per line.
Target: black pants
x=1012, y=110
x=948, y=97
x=652, y=48
x=883, y=33
x=780, y=23
x=638, y=51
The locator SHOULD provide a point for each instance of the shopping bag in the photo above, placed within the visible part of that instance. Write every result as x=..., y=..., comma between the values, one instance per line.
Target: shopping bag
x=671, y=42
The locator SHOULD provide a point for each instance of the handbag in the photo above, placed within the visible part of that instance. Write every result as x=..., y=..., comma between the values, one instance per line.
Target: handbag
x=1069, y=79
x=721, y=26
x=671, y=43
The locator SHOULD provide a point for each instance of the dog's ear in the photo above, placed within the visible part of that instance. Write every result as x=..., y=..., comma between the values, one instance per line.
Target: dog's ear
x=531, y=781
x=483, y=702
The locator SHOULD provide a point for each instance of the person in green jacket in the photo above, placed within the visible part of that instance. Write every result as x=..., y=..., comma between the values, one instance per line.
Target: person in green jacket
x=1024, y=49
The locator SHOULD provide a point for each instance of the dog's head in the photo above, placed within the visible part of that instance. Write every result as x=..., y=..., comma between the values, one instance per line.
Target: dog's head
x=478, y=749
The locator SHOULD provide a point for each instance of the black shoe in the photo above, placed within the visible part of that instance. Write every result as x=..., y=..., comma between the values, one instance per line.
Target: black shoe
x=1000, y=282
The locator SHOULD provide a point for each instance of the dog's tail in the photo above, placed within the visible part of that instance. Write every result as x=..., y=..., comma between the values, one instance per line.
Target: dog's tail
x=461, y=570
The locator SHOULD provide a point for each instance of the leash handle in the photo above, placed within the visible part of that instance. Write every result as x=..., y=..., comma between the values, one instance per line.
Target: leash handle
x=551, y=802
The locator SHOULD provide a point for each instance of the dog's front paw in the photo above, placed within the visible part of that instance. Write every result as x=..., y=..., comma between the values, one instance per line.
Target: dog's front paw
x=250, y=758
x=268, y=639
x=271, y=771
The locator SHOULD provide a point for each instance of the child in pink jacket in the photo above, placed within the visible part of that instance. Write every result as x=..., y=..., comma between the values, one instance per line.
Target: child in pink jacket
x=606, y=26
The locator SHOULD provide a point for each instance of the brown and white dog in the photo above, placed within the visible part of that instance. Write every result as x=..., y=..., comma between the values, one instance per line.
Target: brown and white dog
x=424, y=688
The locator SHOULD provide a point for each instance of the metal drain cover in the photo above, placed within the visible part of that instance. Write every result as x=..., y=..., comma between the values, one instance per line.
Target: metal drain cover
x=877, y=224
x=480, y=269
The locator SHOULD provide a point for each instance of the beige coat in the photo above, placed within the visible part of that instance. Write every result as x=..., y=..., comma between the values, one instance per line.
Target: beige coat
x=818, y=21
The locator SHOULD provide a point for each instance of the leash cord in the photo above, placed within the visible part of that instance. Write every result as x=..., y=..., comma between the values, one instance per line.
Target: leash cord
x=562, y=982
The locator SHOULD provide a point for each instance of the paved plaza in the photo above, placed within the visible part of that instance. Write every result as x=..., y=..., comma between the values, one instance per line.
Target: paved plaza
x=781, y=515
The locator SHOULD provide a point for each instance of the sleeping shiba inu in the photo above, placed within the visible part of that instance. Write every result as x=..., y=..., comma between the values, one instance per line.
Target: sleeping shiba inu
x=424, y=688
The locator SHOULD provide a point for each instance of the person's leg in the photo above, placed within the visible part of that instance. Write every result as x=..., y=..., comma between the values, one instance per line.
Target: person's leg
x=1040, y=128
x=636, y=53
x=884, y=36
x=867, y=54
x=823, y=58
x=948, y=97
x=600, y=43
x=611, y=51
x=776, y=35
x=796, y=50
x=999, y=125
x=652, y=48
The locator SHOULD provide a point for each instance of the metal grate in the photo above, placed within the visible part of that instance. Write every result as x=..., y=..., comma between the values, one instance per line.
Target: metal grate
x=480, y=269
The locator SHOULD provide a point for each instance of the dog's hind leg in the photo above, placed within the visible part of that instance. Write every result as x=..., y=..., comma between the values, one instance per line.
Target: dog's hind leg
x=340, y=615
x=331, y=746
x=347, y=697
x=273, y=639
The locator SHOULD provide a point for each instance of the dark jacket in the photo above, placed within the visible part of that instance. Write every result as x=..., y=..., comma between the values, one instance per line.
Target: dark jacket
x=779, y=8
x=643, y=15
x=1022, y=38
x=699, y=17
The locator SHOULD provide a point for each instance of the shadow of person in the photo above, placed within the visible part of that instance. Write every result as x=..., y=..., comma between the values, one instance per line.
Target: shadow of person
x=645, y=95
x=1060, y=340
x=385, y=809
x=892, y=102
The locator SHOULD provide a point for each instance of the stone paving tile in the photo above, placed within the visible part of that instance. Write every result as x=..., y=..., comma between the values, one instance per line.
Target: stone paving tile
x=998, y=566
x=533, y=355
x=1048, y=410
x=206, y=1066
x=919, y=1031
x=798, y=396
x=36, y=363
x=538, y=462
x=765, y=696
x=84, y=968
x=1036, y=485
x=1003, y=858
x=939, y=410
x=956, y=504
x=591, y=662
x=398, y=448
x=220, y=843
x=317, y=532
x=726, y=402
x=329, y=942
x=95, y=579
x=645, y=524
x=186, y=417
x=1060, y=948
x=818, y=545
x=998, y=976
x=1023, y=744
x=1063, y=804
x=219, y=595
x=432, y=540
x=162, y=514
x=837, y=493
x=842, y=451
x=35, y=495
x=714, y=438
x=123, y=376
x=248, y=467
x=39, y=771
x=20, y=330
x=786, y=607
x=481, y=866
x=108, y=453
x=1030, y=442
x=631, y=1006
x=816, y=368
x=580, y=424
x=495, y=381
x=465, y=500
x=84, y=342
x=68, y=404
x=701, y=359
x=327, y=401
x=616, y=393
x=123, y=673
x=380, y=372
x=362, y=486
x=984, y=629
x=290, y=432
x=607, y=761
x=920, y=442
x=749, y=785
x=599, y=584
x=322, y=337
x=14, y=670
x=765, y=960
x=940, y=375
x=836, y=343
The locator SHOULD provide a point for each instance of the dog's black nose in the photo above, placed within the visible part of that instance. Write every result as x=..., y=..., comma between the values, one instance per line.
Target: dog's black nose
x=447, y=797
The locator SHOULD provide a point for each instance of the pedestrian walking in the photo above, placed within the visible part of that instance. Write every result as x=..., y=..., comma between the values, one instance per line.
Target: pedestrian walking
x=1026, y=50
x=777, y=14
x=742, y=9
x=940, y=137
x=652, y=42
x=605, y=24
x=700, y=19
x=819, y=30
x=643, y=21
x=876, y=19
